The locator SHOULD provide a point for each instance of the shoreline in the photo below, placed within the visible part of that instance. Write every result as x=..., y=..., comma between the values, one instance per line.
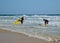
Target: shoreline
x=45, y=37
x=15, y=37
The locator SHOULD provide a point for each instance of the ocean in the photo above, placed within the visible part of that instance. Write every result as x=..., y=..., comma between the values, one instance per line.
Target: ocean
x=33, y=25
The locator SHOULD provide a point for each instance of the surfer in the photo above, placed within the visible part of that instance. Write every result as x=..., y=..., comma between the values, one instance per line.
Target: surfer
x=45, y=21
x=21, y=20
x=18, y=21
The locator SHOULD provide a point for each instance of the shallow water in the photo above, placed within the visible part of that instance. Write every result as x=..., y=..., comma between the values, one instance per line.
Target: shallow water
x=33, y=26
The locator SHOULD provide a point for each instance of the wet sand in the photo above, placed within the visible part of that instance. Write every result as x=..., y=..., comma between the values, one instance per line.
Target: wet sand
x=14, y=37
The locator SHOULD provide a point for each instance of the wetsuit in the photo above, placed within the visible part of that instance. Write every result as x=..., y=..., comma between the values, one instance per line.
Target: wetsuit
x=22, y=20
x=45, y=21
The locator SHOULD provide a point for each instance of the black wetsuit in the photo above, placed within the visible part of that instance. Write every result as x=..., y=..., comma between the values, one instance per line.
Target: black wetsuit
x=46, y=21
x=22, y=20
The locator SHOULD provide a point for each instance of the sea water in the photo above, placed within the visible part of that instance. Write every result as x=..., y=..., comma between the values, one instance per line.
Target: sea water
x=33, y=25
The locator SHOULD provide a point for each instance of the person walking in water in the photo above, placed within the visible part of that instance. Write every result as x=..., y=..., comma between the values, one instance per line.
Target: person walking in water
x=18, y=21
x=21, y=20
x=45, y=21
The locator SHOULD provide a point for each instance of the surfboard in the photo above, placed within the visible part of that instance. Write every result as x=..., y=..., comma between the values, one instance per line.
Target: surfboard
x=17, y=22
x=41, y=24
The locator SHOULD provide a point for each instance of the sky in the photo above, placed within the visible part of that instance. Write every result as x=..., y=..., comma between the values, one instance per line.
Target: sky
x=29, y=6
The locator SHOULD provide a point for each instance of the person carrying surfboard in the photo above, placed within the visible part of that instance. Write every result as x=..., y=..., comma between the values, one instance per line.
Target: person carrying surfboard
x=45, y=21
x=18, y=21
x=22, y=18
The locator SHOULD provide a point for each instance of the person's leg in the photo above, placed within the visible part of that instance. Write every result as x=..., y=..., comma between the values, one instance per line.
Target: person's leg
x=21, y=22
x=45, y=23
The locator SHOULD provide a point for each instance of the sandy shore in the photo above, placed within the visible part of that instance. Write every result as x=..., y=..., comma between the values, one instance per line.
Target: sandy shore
x=13, y=37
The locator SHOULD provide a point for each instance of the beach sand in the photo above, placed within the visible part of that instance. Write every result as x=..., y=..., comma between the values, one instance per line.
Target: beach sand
x=14, y=37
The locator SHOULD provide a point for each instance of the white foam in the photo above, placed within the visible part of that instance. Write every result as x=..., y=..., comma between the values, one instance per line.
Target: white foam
x=32, y=19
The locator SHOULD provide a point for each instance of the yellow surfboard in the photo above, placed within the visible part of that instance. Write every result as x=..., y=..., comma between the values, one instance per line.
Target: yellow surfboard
x=16, y=22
